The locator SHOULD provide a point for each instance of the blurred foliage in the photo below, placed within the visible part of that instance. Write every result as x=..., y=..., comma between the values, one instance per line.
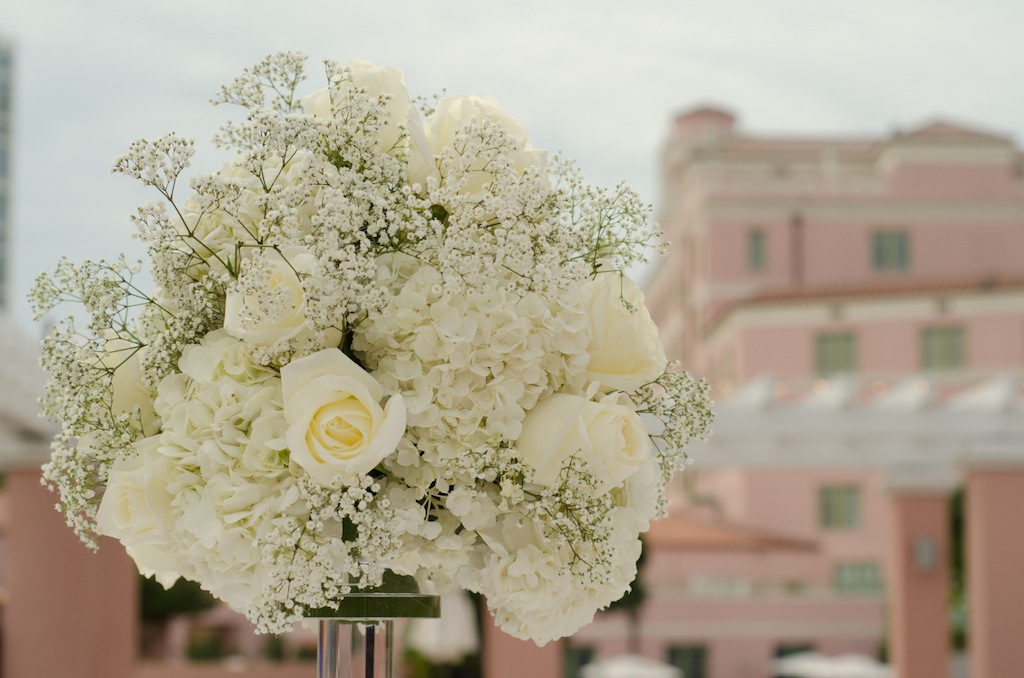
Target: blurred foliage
x=633, y=600
x=958, y=583
x=159, y=604
x=206, y=645
x=419, y=666
x=273, y=649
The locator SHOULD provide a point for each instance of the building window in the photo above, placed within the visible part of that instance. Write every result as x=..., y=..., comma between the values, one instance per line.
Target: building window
x=839, y=507
x=835, y=352
x=757, y=250
x=575, y=659
x=691, y=659
x=890, y=250
x=942, y=348
x=857, y=578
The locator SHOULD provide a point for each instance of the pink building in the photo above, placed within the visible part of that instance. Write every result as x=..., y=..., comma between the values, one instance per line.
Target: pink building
x=878, y=282
x=802, y=258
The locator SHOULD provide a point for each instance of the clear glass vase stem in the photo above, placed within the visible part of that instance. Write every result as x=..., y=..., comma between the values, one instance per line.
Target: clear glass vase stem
x=350, y=649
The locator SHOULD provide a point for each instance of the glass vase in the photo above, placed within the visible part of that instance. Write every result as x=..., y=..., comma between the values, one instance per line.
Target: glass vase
x=356, y=639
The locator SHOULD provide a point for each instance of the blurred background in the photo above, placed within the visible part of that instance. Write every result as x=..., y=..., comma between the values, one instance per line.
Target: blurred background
x=842, y=185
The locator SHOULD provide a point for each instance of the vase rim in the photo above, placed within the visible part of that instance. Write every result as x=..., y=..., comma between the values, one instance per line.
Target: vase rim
x=380, y=605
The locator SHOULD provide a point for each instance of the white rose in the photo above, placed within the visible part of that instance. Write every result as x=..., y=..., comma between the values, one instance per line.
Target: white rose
x=211, y=239
x=136, y=509
x=273, y=277
x=336, y=426
x=639, y=499
x=610, y=437
x=451, y=115
x=399, y=111
x=128, y=391
x=625, y=351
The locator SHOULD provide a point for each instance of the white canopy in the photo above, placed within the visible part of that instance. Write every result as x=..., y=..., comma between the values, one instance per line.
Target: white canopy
x=448, y=639
x=630, y=666
x=815, y=665
x=909, y=430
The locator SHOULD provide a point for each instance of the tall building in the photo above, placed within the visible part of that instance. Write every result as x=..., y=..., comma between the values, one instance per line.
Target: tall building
x=845, y=297
x=6, y=124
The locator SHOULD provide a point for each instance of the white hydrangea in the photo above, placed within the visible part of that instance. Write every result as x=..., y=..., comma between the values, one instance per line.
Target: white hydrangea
x=224, y=432
x=535, y=587
x=470, y=365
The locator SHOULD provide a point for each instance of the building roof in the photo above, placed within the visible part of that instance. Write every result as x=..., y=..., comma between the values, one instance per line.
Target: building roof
x=942, y=131
x=938, y=132
x=894, y=288
x=687, y=532
x=705, y=111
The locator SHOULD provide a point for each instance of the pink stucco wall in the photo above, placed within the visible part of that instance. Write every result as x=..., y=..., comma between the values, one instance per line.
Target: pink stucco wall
x=919, y=586
x=71, y=612
x=993, y=180
x=966, y=248
x=508, y=657
x=779, y=351
x=994, y=575
x=996, y=341
x=766, y=570
x=727, y=252
x=837, y=251
x=741, y=636
x=224, y=670
x=786, y=502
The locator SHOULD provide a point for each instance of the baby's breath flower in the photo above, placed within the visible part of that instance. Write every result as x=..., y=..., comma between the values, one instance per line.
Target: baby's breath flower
x=157, y=163
x=680, y=402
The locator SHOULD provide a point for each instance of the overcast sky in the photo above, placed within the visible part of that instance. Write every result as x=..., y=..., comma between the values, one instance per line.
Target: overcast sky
x=596, y=80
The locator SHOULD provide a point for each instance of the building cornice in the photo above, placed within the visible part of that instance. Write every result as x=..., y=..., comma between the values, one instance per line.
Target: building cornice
x=971, y=295
x=746, y=207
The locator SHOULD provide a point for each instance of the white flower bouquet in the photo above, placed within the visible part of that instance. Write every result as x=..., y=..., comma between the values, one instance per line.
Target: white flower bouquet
x=374, y=341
